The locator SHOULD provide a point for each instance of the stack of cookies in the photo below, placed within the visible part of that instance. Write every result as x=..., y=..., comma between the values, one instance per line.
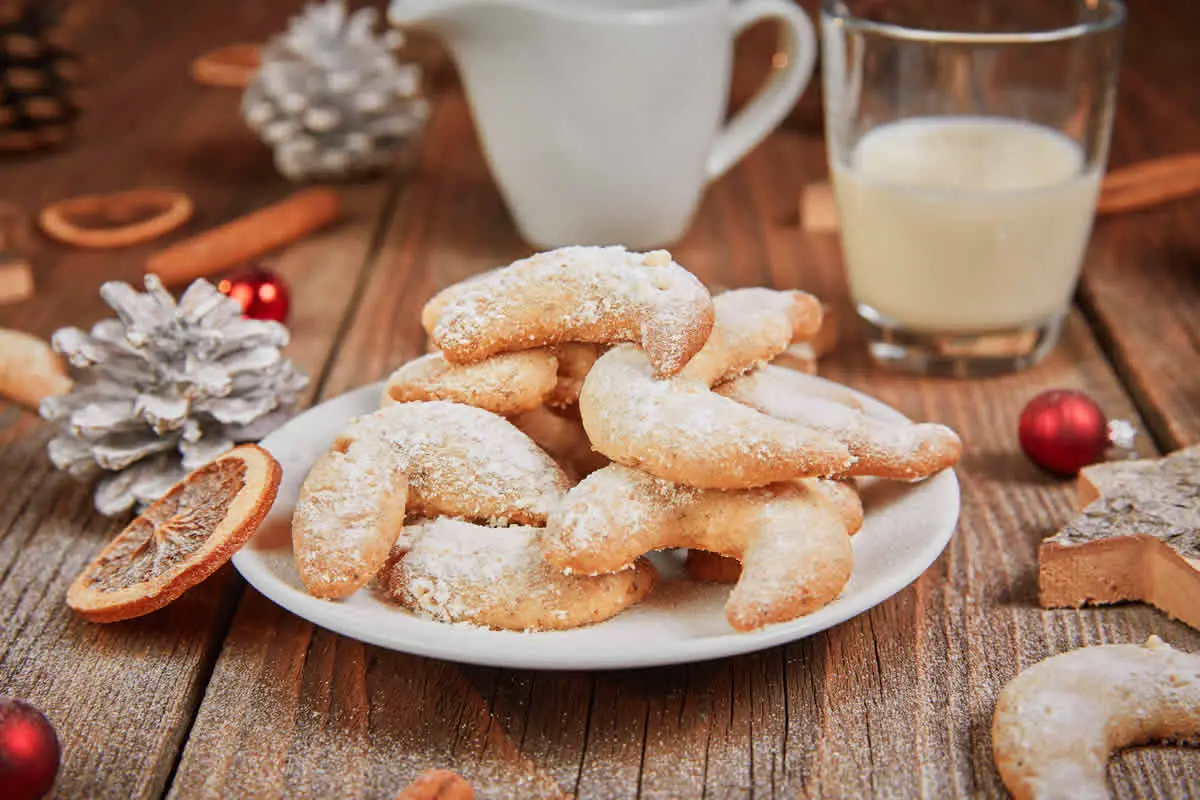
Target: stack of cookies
x=587, y=406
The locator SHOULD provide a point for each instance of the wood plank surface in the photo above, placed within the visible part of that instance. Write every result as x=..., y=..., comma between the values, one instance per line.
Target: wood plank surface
x=277, y=708
x=894, y=703
x=122, y=696
x=1142, y=283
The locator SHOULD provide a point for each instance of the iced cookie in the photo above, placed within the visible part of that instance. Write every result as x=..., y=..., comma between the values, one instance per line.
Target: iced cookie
x=1136, y=538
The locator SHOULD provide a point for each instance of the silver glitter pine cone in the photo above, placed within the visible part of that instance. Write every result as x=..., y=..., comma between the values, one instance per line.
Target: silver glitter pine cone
x=331, y=97
x=164, y=388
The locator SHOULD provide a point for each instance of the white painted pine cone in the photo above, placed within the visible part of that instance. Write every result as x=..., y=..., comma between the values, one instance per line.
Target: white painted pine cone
x=331, y=98
x=164, y=388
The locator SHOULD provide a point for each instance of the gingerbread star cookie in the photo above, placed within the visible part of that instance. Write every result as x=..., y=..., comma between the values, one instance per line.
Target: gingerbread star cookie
x=1137, y=538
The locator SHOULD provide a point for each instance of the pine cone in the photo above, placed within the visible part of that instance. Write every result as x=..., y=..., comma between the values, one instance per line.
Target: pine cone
x=37, y=76
x=331, y=98
x=166, y=388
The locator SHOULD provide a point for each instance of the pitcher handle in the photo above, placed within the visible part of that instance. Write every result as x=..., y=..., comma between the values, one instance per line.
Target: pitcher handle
x=782, y=88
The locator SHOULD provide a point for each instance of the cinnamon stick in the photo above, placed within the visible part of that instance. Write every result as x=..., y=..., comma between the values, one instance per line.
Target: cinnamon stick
x=246, y=237
x=1150, y=183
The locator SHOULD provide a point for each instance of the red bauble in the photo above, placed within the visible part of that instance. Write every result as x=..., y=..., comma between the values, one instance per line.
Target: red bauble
x=262, y=294
x=1063, y=431
x=28, y=751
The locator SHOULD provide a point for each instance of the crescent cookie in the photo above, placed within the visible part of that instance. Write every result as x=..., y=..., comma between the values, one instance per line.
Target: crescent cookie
x=793, y=544
x=421, y=458
x=753, y=326
x=882, y=449
x=780, y=377
x=707, y=567
x=1057, y=722
x=578, y=294
x=563, y=439
x=505, y=384
x=575, y=360
x=678, y=429
x=456, y=571
x=434, y=305
x=348, y=515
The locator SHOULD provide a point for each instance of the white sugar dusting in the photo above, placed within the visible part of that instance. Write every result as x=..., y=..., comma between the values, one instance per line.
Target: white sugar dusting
x=464, y=573
x=457, y=459
x=679, y=429
x=455, y=568
x=582, y=294
x=612, y=501
x=896, y=450
x=337, y=531
x=470, y=462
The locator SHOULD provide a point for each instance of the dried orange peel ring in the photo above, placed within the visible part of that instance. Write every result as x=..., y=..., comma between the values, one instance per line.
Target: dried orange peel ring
x=232, y=66
x=180, y=539
x=55, y=219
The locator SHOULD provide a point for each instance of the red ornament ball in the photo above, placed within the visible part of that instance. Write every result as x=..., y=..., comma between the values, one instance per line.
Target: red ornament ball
x=28, y=751
x=262, y=294
x=1063, y=431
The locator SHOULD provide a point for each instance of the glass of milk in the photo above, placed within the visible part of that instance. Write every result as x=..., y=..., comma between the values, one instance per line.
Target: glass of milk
x=966, y=142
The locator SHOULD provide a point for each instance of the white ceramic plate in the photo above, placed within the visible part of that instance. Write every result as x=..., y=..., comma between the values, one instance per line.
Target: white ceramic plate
x=906, y=527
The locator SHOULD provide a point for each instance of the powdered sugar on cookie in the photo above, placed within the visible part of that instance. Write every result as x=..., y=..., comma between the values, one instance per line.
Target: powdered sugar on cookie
x=456, y=571
x=579, y=294
x=1057, y=723
x=509, y=383
x=598, y=353
x=467, y=462
x=793, y=542
x=426, y=458
x=679, y=430
x=882, y=449
x=350, y=511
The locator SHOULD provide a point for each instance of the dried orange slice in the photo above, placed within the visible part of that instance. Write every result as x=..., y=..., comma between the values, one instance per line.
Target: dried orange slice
x=118, y=219
x=181, y=539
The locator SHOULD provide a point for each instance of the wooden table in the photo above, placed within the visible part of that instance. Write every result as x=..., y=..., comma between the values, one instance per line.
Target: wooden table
x=225, y=695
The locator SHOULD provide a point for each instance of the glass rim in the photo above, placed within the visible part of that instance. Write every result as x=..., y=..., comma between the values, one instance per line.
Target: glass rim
x=1113, y=18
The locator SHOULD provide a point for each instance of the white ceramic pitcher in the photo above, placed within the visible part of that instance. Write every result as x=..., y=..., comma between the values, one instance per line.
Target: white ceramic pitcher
x=602, y=120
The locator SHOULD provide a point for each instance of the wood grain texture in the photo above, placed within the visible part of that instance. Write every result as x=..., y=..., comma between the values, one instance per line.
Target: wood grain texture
x=294, y=711
x=122, y=697
x=345, y=719
x=1142, y=280
x=116, y=694
x=894, y=703
x=151, y=126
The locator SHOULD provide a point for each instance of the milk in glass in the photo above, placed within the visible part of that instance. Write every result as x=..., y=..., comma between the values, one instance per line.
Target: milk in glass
x=964, y=224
